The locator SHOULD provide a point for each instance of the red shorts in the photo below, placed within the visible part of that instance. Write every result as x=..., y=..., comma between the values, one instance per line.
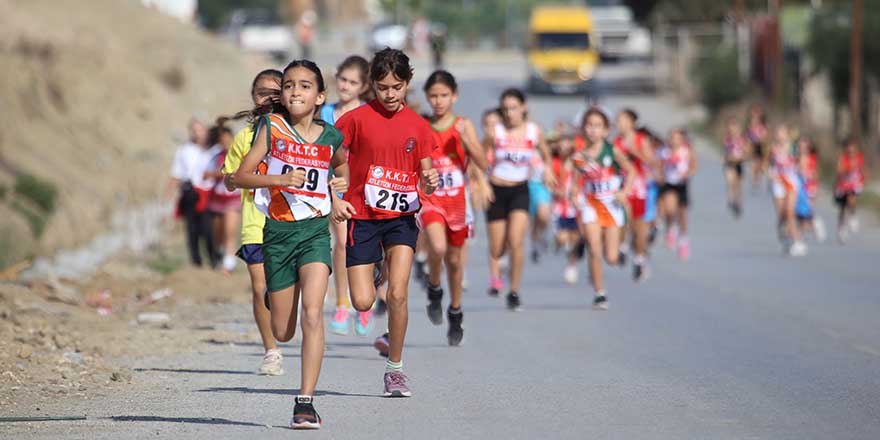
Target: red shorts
x=638, y=207
x=454, y=238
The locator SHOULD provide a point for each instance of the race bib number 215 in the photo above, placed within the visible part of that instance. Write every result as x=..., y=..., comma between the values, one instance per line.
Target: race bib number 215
x=391, y=191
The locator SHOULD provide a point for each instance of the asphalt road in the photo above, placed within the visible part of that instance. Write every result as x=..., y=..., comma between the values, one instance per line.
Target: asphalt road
x=739, y=343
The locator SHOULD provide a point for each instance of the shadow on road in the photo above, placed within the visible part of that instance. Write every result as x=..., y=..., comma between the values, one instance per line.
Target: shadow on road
x=280, y=391
x=193, y=420
x=195, y=371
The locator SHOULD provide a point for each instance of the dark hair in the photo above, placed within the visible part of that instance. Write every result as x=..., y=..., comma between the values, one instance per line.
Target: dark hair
x=513, y=93
x=391, y=61
x=595, y=111
x=355, y=62
x=495, y=110
x=441, y=77
x=631, y=113
x=272, y=73
x=218, y=130
x=309, y=65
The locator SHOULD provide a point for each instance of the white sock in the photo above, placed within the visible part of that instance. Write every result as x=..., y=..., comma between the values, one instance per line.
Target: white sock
x=393, y=366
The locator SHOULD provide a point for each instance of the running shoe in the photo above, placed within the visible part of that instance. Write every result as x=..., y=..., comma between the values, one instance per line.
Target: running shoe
x=638, y=272
x=600, y=303
x=435, y=308
x=456, y=331
x=684, y=250
x=271, y=364
x=798, y=249
x=363, y=324
x=737, y=209
x=819, y=228
x=382, y=345
x=339, y=324
x=419, y=268
x=381, y=307
x=395, y=385
x=622, y=258
x=495, y=286
x=536, y=256
x=652, y=235
x=570, y=275
x=304, y=414
x=671, y=238
x=513, y=303
x=854, y=224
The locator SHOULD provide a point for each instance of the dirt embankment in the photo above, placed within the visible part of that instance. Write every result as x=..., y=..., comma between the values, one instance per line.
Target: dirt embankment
x=93, y=97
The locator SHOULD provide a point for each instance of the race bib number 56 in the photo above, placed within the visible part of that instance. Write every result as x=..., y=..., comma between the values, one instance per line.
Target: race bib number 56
x=392, y=191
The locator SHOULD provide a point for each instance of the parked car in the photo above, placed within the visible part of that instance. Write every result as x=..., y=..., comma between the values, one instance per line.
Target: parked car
x=385, y=35
x=260, y=30
x=618, y=35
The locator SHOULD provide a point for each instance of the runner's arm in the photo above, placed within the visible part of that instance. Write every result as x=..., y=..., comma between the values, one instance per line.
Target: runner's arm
x=549, y=178
x=626, y=167
x=692, y=163
x=245, y=177
x=472, y=143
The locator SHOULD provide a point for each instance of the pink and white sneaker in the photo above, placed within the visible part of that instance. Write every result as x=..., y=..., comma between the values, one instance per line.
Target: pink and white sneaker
x=684, y=250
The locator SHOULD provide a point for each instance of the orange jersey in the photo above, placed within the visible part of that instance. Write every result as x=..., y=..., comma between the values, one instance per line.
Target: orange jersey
x=849, y=173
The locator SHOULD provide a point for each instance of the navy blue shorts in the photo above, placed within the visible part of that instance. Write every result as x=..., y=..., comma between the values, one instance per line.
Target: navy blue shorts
x=250, y=254
x=368, y=238
x=567, y=224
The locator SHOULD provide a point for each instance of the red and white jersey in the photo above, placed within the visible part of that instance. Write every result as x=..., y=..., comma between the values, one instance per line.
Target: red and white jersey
x=849, y=174
x=735, y=148
x=640, y=179
x=512, y=157
x=450, y=198
x=676, y=164
x=810, y=175
x=566, y=183
x=784, y=165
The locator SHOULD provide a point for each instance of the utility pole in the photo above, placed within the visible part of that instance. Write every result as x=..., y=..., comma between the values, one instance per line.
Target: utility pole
x=855, y=70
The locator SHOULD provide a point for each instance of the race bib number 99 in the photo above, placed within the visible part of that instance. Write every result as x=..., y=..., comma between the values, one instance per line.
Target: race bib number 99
x=391, y=191
x=314, y=160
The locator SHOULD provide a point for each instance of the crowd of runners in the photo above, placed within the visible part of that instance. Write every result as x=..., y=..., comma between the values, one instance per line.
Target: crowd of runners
x=790, y=164
x=368, y=191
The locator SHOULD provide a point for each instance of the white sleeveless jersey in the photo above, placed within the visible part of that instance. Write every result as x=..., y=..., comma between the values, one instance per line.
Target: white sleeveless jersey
x=513, y=157
x=676, y=165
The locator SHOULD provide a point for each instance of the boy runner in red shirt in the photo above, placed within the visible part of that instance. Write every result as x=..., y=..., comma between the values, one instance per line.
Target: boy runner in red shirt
x=389, y=154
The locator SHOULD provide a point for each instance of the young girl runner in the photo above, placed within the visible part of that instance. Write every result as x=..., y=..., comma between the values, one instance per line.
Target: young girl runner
x=224, y=204
x=735, y=149
x=265, y=89
x=351, y=85
x=512, y=144
x=786, y=185
x=679, y=164
x=444, y=214
x=607, y=177
x=292, y=151
x=851, y=176
x=808, y=165
x=757, y=132
x=389, y=148
x=635, y=146
x=566, y=212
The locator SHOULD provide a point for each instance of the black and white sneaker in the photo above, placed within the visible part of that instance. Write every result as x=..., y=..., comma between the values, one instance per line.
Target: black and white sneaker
x=435, y=308
x=622, y=259
x=304, y=414
x=600, y=303
x=513, y=303
x=456, y=331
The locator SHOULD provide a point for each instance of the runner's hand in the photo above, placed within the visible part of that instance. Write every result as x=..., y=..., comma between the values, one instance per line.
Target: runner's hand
x=431, y=179
x=229, y=181
x=339, y=184
x=342, y=211
x=294, y=179
x=460, y=127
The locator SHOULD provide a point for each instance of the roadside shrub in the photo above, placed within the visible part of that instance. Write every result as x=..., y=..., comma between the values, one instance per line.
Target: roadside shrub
x=718, y=78
x=41, y=192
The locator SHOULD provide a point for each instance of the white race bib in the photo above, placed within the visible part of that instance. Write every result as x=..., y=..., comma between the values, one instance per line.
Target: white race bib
x=392, y=191
x=313, y=159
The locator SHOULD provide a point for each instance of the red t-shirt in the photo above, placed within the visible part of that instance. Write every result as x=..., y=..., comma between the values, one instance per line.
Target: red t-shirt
x=383, y=159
